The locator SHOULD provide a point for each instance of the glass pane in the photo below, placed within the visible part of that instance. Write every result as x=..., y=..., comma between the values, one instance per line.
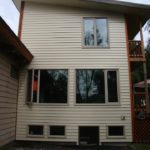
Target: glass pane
x=57, y=130
x=101, y=32
x=35, y=130
x=53, y=86
x=90, y=86
x=89, y=32
x=35, y=85
x=115, y=131
x=112, y=86
x=29, y=85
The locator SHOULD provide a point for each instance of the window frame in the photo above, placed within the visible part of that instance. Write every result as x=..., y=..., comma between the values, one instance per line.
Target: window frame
x=30, y=101
x=34, y=136
x=57, y=136
x=115, y=136
x=106, y=90
x=95, y=39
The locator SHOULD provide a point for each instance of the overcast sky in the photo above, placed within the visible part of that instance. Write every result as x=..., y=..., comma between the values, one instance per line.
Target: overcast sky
x=11, y=15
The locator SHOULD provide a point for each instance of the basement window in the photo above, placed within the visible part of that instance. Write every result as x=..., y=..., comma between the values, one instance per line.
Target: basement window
x=115, y=131
x=36, y=130
x=57, y=130
x=47, y=86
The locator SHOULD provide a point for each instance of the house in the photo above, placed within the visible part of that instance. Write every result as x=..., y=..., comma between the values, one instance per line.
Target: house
x=13, y=56
x=77, y=89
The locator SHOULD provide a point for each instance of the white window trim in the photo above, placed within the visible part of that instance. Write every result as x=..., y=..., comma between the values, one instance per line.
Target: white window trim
x=95, y=38
x=56, y=136
x=106, y=89
x=35, y=136
x=115, y=136
x=38, y=91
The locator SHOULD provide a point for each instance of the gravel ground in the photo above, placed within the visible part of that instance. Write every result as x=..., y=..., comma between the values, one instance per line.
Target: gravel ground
x=47, y=146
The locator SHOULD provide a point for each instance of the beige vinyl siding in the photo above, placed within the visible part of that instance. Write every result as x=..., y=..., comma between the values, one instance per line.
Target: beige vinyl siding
x=8, y=101
x=54, y=36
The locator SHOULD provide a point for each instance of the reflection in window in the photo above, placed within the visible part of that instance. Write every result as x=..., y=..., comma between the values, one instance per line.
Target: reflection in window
x=95, y=32
x=53, y=86
x=90, y=86
x=89, y=32
x=101, y=32
x=112, y=86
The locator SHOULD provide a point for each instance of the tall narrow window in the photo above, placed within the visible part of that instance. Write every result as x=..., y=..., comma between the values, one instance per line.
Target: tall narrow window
x=29, y=86
x=89, y=32
x=112, y=86
x=95, y=32
x=35, y=86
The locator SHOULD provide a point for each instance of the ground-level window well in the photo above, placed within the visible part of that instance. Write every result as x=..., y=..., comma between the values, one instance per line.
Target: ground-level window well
x=35, y=130
x=88, y=135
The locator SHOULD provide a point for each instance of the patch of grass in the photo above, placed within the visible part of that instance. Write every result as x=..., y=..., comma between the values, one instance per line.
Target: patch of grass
x=143, y=146
x=139, y=147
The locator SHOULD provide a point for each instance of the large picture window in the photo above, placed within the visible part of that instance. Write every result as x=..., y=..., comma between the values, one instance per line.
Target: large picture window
x=95, y=32
x=47, y=86
x=96, y=86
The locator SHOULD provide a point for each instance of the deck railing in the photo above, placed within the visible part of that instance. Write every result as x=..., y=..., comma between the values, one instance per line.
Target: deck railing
x=135, y=49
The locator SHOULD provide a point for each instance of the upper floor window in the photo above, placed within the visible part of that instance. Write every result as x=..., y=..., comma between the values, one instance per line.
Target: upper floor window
x=47, y=86
x=96, y=86
x=95, y=32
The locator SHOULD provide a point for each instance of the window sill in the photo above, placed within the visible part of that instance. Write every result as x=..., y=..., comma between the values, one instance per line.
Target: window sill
x=95, y=47
x=116, y=137
x=35, y=136
x=97, y=104
x=48, y=104
x=57, y=136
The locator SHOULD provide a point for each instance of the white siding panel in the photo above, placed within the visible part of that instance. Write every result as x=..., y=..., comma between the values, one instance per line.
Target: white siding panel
x=54, y=35
x=8, y=101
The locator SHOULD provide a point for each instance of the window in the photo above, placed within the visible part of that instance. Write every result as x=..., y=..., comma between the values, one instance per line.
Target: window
x=57, y=130
x=14, y=72
x=47, y=86
x=35, y=130
x=96, y=86
x=95, y=32
x=115, y=131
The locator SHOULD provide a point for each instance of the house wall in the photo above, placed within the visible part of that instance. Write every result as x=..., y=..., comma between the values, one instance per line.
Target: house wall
x=8, y=101
x=54, y=36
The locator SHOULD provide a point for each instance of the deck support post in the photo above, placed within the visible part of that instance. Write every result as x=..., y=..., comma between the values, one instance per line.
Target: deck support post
x=144, y=70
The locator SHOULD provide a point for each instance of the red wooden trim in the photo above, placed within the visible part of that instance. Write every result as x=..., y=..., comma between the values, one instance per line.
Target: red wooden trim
x=130, y=80
x=21, y=19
